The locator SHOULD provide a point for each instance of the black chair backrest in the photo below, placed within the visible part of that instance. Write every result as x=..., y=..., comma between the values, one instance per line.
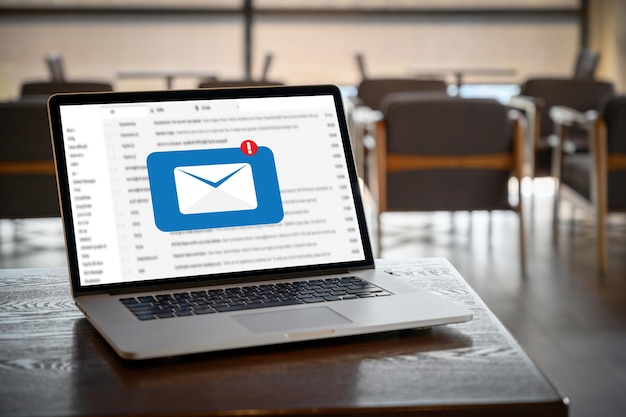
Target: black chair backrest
x=372, y=91
x=54, y=62
x=360, y=63
x=27, y=179
x=47, y=88
x=581, y=95
x=267, y=63
x=586, y=64
x=24, y=132
x=432, y=124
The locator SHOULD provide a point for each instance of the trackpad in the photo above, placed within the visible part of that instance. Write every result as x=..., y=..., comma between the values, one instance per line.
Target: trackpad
x=296, y=319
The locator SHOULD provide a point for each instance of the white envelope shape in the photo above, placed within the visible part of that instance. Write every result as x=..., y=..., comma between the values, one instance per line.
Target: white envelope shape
x=215, y=188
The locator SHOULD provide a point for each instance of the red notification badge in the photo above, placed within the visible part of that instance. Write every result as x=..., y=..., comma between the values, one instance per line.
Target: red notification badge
x=249, y=147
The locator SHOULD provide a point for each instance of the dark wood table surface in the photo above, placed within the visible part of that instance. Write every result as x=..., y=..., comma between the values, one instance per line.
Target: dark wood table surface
x=53, y=363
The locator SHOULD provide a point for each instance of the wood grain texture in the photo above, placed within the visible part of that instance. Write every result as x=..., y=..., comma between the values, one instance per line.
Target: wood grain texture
x=400, y=162
x=52, y=362
x=27, y=168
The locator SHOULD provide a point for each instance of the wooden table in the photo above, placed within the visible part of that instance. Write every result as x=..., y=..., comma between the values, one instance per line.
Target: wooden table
x=52, y=362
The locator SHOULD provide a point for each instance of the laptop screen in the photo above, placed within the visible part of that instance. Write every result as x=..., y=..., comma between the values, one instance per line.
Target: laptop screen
x=175, y=185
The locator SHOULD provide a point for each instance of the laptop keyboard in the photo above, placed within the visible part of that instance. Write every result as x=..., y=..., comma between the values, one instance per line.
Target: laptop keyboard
x=211, y=301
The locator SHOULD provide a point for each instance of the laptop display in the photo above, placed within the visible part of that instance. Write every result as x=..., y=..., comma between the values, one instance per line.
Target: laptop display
x=198, y=183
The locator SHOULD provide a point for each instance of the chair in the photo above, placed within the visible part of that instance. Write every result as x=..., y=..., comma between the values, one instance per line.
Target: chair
x=586, y=64
x=360, y=63
x=54, y=62
x=438, y=153
x=267, y=63
x=371, y=91
x=595, y=181
x=27, y=177
x=537, y=96
x=364, y=111
x=47, y=88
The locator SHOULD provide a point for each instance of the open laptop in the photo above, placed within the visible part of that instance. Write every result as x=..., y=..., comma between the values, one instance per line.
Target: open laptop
x=204, y=220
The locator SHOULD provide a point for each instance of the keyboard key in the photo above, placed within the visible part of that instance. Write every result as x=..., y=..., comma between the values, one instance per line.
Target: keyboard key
x=203, y=310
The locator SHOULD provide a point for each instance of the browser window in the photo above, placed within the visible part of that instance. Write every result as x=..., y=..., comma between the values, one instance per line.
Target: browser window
x=185, y=188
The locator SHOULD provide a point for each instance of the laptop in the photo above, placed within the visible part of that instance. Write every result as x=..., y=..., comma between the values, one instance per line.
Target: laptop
x=213, y=219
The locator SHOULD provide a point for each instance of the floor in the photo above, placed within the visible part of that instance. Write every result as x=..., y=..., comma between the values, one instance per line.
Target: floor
x=571, y=321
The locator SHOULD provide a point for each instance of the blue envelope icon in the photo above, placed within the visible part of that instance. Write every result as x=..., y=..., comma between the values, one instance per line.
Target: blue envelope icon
x=215, y=188
x=211, y=188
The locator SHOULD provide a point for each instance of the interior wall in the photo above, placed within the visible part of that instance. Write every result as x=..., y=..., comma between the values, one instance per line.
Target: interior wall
x=607, y=34
x=100, y=46
x=323, y=49
x=308, y=49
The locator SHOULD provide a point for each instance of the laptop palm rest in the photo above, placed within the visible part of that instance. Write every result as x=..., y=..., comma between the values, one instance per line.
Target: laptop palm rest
x=288, y=320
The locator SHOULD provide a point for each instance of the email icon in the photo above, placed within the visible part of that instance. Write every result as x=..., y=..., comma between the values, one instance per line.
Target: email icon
x=209, y=188
x=215, y=188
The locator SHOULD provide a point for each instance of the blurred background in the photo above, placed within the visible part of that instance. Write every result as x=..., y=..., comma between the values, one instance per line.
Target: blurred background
x=567, y=309
x=310, y=42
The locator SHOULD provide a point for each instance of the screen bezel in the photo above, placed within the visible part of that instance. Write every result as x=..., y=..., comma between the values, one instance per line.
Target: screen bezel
x=56, y=101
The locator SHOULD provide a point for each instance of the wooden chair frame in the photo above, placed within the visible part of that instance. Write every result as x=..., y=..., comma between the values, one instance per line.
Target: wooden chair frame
x=601, y=164
x=386, y=163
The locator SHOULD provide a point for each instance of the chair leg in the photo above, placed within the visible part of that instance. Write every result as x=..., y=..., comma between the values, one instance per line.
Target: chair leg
x=601, y=226
x=532, y=199
x=379, y=236
x=522, y=236
x=556, y=206
x=522, y=245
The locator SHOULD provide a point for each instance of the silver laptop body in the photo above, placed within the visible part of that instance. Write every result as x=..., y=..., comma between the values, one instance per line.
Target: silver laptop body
x=205, y=220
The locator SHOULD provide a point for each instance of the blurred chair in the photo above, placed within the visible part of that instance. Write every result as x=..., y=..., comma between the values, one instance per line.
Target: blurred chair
x=360, y=63
x=27, y=177
x=595, y=181
x=371, y=91
x=365, y=110
x=47, y=88
x=267, y=63
x=438, y=153
x=238, y=83
x=586, y=64
x=537, y=96
x=54, y=62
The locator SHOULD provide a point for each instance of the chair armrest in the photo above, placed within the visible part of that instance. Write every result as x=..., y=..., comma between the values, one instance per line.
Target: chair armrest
x=520, y=125
x=570, y=117
x=527, y=103
x=355, y=101
x=531, y=108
